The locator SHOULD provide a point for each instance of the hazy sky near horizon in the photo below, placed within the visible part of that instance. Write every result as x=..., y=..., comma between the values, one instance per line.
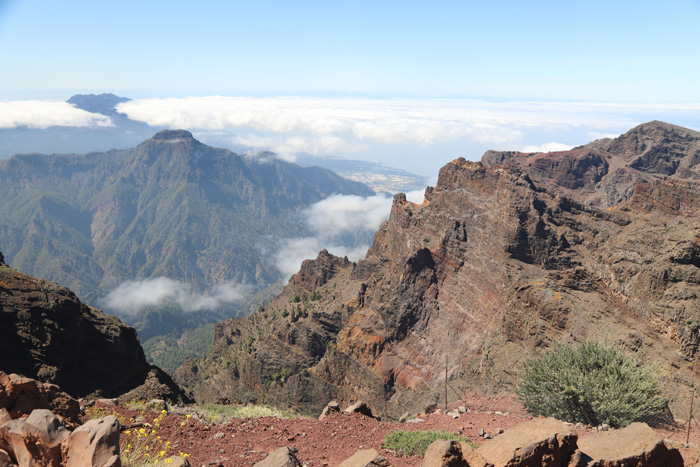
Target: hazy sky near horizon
x=402, y=82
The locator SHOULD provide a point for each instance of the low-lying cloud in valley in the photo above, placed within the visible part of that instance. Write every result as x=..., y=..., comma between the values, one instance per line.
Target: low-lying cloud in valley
x=333, y=222
x=45, y=114
x=131, y=297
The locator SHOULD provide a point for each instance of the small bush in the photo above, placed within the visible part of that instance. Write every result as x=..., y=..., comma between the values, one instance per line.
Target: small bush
x=592, y=383
x=415, y=443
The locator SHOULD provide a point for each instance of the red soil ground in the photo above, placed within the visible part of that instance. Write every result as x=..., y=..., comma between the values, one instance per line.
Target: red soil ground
x=243, y=442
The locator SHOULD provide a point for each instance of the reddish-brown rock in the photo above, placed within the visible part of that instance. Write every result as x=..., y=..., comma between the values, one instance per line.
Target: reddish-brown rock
x=496, y=263
x=20, y=396
x=444, y=453
x=634, y=445
x=282, y=457
x=96, y=443
x=35, y=440
x=542, y=442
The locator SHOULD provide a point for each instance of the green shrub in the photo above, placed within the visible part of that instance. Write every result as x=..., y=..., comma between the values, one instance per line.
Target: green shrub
x=592, y=383
x=415, y=443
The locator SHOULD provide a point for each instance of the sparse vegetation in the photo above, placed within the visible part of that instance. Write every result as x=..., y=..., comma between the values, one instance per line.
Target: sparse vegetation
x=592, y=383
x=216, y=413
x=415, y=443
x=144, y=446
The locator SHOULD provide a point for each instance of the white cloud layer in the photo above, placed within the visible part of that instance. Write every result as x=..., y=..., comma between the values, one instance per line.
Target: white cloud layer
x=387, y=128
x=547, y=147
x=44, y=114
x=334, y=219
x=133, y=296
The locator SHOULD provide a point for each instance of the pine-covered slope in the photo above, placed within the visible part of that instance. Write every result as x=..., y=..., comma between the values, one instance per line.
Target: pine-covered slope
x=171, y=206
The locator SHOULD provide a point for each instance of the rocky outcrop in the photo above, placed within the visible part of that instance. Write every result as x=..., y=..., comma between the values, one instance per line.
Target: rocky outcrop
x=495, y=265
x=20, y=396
x=95, y=443
x=40, y=440
x=366, y=458
x=539, y=442
x=444, y=453
x=282, y=457
x=159, y=385
x=48, y=334
x=605, y=172
x=636, y=444
x=550, y=443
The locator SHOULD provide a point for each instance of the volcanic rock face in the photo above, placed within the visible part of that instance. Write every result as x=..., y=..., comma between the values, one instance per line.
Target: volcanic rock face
x=47, y=334
x=496, y=264
x=605, y=172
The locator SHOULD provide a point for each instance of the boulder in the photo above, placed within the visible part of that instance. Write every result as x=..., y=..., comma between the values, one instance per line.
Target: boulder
x=34, y=440
x=539, y=442
x=472, y=457
x=635, y=445
x=365, y=458
x=361, y=408
x=444, y=453
x=332, y=407
x=5, y=460
x=282, y=457
x=96, y=443
x=20, y=396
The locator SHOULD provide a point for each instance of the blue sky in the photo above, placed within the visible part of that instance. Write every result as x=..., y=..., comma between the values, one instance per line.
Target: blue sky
x=641, y=57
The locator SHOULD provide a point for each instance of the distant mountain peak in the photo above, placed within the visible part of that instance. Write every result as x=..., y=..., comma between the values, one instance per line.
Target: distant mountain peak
x=98, y=103
x=173, y=135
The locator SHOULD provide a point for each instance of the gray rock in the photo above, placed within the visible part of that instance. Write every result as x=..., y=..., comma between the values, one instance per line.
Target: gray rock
x=365, y=458
x=331, y=407
x=282, y=457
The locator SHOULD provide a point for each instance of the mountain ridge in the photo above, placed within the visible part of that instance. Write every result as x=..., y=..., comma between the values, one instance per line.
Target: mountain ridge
x=496, y=264
x=116, y=214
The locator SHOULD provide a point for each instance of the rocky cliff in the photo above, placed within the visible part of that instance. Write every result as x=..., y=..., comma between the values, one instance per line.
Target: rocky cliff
x=500, y=260
x=605, y=172
x=48, y=334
